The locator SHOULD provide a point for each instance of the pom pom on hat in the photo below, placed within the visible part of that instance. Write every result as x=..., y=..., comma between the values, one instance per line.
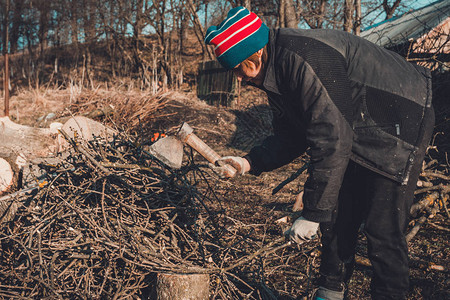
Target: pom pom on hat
x=239, y=36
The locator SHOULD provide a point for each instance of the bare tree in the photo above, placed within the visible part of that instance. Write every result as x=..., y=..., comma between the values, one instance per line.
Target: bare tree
x=352, y=16
x=43, y=7
x=287, y=16
x=357, y=23
x=198, y=28
x=17, y=22
x=74, y=17
x=89, y=20
x=245, y=3
x=348, y=15
x=390, y=9
x=5, y=8
x=314, y=14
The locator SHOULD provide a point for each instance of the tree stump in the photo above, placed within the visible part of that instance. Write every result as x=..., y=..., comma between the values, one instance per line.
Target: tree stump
x=182, y=286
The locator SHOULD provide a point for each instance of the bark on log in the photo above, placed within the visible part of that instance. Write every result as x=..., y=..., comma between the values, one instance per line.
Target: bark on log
x=182, y=286
x=6, y=175
x=22, y=148
x=19, y=144
x=83, y=129
x=30, y=141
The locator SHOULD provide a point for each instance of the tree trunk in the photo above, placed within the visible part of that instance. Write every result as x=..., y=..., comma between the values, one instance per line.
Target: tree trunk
x=17, y=21
x=389, y=10
x=74, y=23
x=5, y=8
x=291, y=20
x=357, y=23
x=44, y=17
x=89, y=21
x=348, y=15
x=182, y=286
x=321, y=14
x=287, y=14
x=184, y=30
x=198, y=29
x=281, y=14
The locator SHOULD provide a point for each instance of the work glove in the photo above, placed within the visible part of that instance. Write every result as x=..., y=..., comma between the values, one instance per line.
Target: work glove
x=302, y=230
x=236, y=162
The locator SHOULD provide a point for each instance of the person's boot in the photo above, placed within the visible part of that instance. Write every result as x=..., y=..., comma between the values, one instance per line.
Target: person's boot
x=326, y=294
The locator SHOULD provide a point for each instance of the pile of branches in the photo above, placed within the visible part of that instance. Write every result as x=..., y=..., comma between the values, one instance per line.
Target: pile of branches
x=111, y=217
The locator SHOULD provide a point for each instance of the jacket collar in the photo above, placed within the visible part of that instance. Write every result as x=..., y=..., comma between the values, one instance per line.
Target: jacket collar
x=270, y=83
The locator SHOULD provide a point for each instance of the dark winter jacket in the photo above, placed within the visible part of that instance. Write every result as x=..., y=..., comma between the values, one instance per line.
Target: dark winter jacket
x=342, y=98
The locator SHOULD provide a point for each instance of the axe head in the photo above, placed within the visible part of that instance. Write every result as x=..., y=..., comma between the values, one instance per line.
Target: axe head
x=169, y=150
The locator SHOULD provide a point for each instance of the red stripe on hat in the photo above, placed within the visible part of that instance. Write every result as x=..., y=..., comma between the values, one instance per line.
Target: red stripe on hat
x=233, y=28
x=238, y=37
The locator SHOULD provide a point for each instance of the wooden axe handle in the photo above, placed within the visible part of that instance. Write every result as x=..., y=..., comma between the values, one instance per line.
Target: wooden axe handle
x=187, y=135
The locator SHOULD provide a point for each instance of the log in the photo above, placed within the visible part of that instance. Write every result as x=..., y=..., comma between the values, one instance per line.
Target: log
x=20, y=144
x=30, y=141
x=22, y=148
x=182, y=286
x=6, y=175
x=83, y=129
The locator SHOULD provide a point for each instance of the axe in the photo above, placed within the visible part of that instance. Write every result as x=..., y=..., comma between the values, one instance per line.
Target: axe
x=169, y=150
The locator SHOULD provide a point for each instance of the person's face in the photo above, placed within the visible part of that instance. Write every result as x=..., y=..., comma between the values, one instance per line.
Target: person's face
x=249, y=72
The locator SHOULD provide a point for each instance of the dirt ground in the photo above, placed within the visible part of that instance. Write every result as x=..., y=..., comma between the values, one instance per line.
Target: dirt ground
x=248, y=200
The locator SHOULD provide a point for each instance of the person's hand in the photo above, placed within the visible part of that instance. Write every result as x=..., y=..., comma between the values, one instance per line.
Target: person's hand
x=302, y=230
x=240, y=164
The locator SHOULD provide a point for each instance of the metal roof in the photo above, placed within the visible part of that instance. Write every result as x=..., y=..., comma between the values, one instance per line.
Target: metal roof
x=410, y=26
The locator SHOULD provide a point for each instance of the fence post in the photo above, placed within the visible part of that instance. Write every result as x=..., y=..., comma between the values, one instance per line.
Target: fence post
x=6, y=85
x=5, y=51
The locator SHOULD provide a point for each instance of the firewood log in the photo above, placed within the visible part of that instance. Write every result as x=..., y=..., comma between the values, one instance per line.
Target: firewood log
x=19, y=144
x=182, y=286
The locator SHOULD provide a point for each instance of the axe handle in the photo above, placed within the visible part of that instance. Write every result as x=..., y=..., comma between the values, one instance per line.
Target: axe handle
x=208, y=153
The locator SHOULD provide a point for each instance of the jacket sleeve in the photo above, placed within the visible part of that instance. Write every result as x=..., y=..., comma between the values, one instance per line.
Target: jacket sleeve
x=329, y=137
x=279, y=149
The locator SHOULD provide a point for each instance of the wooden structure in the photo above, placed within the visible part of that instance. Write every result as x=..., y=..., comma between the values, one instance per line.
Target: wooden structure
x=421, y=36
x=216, y=85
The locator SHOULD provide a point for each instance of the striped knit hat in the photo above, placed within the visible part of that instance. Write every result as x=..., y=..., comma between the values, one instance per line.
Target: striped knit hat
x=239, y=36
